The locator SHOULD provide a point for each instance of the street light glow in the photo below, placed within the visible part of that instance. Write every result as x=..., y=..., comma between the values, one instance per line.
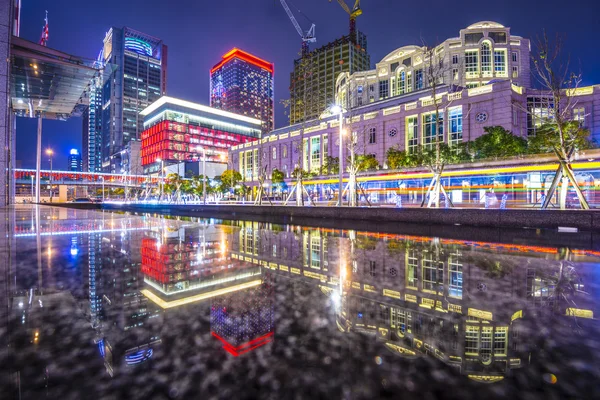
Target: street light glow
x=335, y=109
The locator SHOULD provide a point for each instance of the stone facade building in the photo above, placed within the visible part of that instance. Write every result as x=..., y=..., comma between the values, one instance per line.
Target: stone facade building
x=486, y=83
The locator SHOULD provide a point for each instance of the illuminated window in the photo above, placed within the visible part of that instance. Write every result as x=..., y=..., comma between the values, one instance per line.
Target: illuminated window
x=515, y=71
x=372, y=135
x=455, y=125
x=402, y=82
x=384, y=89
x=500, y=341
x=539, y=111
x=430, y=126
x=472, y=340
x=485, y=346
x=412, y=266
x=315, y=252
x=471, y=63
x=433, y=274
x=500, y=62
x=579, y=115
x=455, y=282
x=284, y=151
x=486, y=59
x=419, y=79
x=315, y=153
x=412, y=134
x=455, y=74
x=408, y=82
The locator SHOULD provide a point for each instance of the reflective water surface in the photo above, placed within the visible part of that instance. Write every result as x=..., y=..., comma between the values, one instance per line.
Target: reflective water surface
x=105, y=306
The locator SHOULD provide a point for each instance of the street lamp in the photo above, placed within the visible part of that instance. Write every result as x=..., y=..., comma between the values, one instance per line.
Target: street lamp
x=203, y=174
x=161, y=180
x=101, y=177
x=50, y=152
x=336, y=109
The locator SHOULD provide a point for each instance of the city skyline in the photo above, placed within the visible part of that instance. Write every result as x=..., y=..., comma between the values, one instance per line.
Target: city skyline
x=276, y=40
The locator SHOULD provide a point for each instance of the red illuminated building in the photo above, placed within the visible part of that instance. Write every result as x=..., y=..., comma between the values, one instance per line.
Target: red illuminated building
x=243, y=83
x=177, y=130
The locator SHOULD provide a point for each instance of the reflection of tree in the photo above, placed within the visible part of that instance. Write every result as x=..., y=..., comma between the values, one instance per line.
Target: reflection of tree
x=565, y=282
x=496, y=267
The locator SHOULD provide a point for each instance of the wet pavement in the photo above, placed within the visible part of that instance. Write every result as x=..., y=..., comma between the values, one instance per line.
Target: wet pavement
x=107, y=306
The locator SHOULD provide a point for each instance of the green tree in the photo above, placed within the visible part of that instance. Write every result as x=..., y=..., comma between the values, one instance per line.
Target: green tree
x=229, y=180
x=560, y=133
x=172, y=183
x=331, y=166
x=367, y=162
x=278, y=179
x=497, y=142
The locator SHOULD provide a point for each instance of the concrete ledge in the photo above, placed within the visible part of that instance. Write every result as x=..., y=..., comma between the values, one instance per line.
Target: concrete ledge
x=511, y=218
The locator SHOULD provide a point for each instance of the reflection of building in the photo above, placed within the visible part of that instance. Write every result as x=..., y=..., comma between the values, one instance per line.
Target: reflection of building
x=243, y=84
x=138, y=78
x=177, y=130
x=183, y=266
x=470, y=305
x=243, y=321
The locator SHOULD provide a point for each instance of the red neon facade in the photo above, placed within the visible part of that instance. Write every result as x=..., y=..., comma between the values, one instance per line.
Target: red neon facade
x=242, y=55
x=176, y=142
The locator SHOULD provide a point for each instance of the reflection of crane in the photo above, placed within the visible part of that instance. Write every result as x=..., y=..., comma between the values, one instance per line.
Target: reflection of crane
x=355, y=12
x=308, y=37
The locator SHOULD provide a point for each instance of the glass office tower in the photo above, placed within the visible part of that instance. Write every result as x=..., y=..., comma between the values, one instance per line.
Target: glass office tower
x=243, y=84
x=138, y=78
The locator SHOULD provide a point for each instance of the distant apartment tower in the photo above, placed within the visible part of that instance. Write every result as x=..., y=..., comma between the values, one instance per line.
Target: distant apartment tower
x=243, y=84
x=138, y=79
x=74, y=160
x=312, y=83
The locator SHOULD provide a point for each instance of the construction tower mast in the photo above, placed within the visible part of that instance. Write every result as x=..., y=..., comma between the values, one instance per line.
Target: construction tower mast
x=355, y=12
x=308, y=36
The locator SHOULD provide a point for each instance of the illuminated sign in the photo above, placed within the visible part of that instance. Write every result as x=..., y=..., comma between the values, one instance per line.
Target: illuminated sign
x=138, y=46
x=138, y=357
x=480, y=314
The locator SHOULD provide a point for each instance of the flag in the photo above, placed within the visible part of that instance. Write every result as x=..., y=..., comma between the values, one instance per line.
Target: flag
x=44, y=38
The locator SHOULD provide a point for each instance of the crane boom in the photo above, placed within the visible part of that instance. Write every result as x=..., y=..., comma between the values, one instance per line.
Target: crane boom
x=292, y=18
x=308, y=36
x=355, y=12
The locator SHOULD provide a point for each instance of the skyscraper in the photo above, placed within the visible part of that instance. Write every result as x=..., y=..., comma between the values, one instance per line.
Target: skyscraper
x=138, y=78
x=74, y=160
x=312, y=83
x=92, y=130
x=243, y=84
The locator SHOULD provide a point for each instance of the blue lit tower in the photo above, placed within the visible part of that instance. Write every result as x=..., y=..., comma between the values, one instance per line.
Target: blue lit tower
x=139, y=77
x=243, y=84
x=74, y=160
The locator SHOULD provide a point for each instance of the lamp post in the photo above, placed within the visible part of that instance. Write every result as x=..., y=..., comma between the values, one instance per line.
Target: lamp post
x=203, y=174
x=50, y=153
x=340, y=111
x=101, y=177
x=161, y=179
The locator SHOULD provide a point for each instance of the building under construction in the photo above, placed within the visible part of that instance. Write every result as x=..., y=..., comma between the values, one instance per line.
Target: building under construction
x=312, y=83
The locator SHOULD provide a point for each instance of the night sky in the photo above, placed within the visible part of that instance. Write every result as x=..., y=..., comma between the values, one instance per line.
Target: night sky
x=198, y=32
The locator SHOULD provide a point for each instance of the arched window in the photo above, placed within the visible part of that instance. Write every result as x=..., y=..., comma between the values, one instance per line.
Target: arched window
x=486, y=58
x=401, y=82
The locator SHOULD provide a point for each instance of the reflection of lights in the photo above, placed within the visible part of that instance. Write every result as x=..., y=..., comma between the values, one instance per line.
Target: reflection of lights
x=74, y=251
x=138, y=357
x=20, y=304
x=244, y=347
x=336, y=299
x=203, y=296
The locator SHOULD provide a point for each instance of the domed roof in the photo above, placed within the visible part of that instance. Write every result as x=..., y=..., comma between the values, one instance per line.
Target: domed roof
x=485, y=24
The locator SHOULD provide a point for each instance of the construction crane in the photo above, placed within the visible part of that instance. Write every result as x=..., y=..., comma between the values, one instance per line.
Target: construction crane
x=308, y=36
x=355, y=12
